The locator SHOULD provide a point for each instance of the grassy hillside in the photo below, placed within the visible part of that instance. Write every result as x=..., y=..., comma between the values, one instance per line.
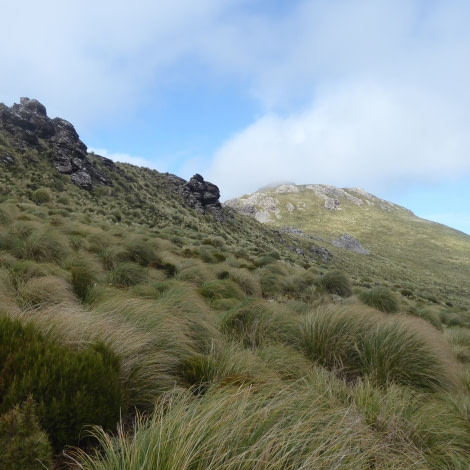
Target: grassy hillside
x=138, y=333
x=405, y=252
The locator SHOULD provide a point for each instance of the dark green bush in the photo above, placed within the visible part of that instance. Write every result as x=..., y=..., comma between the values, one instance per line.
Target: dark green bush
x=71, y=388
x=336, y=282
x=23, y=444
x=381, y=298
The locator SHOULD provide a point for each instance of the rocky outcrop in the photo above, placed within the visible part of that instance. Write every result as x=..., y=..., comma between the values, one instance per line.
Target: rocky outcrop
x=201, y=195
x=350, y=243
x=29, y=128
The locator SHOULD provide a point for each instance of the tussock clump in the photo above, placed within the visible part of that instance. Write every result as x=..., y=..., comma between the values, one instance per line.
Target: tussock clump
x=43, y=291
x=337, y=283
x=381, y=298
x=357, y=342
x=5, y=216
x=255, y=322
x=49, y=246
x=84, y=276
x=194, y=272
x=225, y=364
x=139, y=251
x=42, y=195
x=221, y=289
x=286, y=361
x=246, y=428
x=248, y=282
x=127, y=274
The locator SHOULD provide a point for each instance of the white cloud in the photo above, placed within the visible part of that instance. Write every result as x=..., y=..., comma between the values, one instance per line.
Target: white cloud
x=388, y=99
x=123, y=157
x=360, y=134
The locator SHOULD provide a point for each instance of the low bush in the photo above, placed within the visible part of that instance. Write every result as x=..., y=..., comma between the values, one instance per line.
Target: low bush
x=381, y=298
x=24, y=444
x=71, y=388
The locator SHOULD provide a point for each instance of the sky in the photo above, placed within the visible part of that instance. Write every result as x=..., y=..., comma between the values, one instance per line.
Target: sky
x=353, y=93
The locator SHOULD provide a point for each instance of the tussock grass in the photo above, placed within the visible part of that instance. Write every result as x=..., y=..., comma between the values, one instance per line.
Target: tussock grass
x=147, y=369
x=221, y=289
x=48, y=246
x=248, y=282
x=195, y=272
x=285, y=360
x=358, y=342
x=43, y=291
x=128, y=274
x=381, y=298
x=459, y=339
x=229, y=429
x=224, y=364
x=255, y=322
x=336, y=282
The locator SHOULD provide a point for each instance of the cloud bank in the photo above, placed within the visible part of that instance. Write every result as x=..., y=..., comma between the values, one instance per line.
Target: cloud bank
x=347, y=92
x=387, y=100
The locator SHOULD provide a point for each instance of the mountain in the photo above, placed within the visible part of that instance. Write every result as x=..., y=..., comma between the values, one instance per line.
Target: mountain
x=143, y=324
x=370, y=237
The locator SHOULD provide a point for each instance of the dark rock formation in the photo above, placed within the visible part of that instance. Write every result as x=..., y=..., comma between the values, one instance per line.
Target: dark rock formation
x=29, y=128
x=199, y=194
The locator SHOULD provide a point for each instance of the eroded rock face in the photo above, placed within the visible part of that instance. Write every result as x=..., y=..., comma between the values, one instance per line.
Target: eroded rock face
x=30, y=128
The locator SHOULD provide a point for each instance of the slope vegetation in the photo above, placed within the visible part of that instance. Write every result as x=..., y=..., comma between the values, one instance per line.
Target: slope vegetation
x=139, y=332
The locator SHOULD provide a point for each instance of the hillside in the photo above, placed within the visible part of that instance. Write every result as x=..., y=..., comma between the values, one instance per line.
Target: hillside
x=376, y=239
x=145, y=325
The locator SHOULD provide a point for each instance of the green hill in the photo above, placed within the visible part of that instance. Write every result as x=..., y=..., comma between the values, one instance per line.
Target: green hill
x=398, y=248
x=144, y=325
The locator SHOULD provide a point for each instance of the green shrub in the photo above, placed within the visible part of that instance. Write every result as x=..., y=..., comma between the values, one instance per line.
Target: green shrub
x=71, y=388
x=381, y=298
x=41, y=195
x=337, y=283
x=24, y=444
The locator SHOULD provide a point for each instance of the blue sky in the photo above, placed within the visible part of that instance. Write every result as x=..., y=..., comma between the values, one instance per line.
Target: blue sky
x=353, y=93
